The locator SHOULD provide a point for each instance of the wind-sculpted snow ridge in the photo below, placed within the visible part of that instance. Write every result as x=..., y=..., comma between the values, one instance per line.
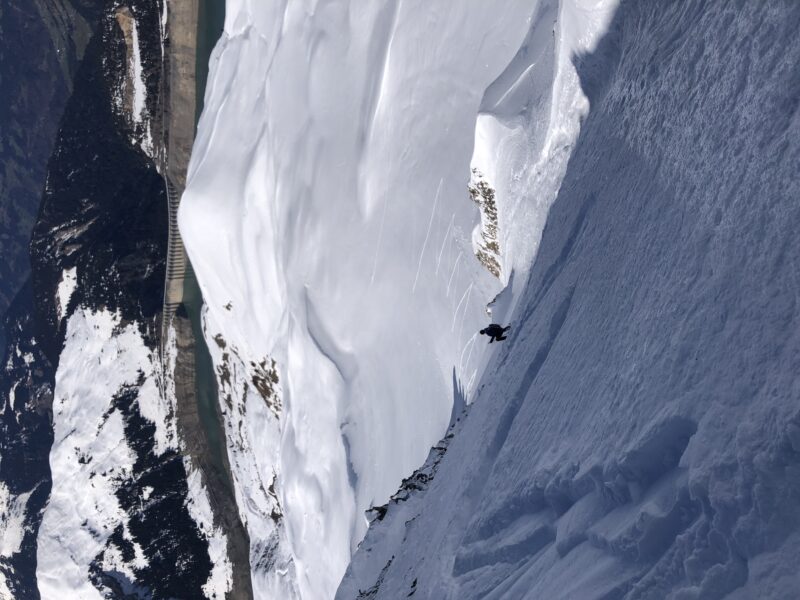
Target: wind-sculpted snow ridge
x=328, y=218
x=638, y=436
x=528, y=122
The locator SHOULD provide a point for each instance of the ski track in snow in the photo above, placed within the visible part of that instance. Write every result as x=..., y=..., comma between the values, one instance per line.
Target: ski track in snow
x=453, y=273
x=445, y=239
x=427, y=235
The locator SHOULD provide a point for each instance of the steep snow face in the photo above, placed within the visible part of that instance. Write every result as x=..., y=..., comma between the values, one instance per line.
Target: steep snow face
x=328, y=218
x=638, y=436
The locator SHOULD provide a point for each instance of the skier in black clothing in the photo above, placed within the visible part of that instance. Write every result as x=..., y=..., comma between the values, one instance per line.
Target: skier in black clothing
x=495, y=332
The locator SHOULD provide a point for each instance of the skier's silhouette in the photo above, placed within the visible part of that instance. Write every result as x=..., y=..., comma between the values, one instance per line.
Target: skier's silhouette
x=495, y=332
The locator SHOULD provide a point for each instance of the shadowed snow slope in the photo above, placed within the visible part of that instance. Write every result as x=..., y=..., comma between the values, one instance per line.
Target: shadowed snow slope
x=639, y=435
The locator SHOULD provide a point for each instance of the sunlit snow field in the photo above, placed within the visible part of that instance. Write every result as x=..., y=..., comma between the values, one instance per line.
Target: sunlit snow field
x=328, y=217
x=635, y=434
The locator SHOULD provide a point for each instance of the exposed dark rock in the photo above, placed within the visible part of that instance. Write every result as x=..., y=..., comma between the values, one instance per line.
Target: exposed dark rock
x=42, y=45
x=26, y=395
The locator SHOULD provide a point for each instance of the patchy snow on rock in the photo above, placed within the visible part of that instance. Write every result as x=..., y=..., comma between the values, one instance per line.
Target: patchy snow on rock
x=113, y=561
x=139, y=88
x=197, y=502
x=66, y=287
x=5, y=593
x=90, y=452
x=12, y=395
x=485, y=237
x=250, y=404
x=12, y=521
x=157, y=401
x=130, y=96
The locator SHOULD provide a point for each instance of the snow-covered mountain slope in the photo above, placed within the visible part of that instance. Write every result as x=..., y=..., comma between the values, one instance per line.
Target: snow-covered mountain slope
x=639, y=434
x=91, y=457
x=328, y=217
x=124, y=512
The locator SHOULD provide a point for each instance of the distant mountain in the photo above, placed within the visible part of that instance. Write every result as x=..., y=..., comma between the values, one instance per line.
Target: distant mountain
x=96, y=497
x=42, y=45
